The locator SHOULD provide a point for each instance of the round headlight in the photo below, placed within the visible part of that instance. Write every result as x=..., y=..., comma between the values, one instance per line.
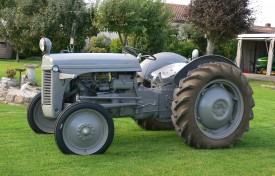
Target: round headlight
x=55, y=68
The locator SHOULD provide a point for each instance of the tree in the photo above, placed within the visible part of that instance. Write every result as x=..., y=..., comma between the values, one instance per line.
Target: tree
x=6, y=3
x=137, y=18
x=14, y=28
x=217, y=19
x=192, y=34
x=23, y=25
x=64, y=18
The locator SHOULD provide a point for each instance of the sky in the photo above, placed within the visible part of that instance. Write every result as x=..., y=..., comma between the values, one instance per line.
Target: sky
x=263, y=10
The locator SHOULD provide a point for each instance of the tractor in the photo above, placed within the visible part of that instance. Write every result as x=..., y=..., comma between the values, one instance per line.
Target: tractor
x=207, y=101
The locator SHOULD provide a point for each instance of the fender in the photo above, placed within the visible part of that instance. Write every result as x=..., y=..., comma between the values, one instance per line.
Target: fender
x=195, y=64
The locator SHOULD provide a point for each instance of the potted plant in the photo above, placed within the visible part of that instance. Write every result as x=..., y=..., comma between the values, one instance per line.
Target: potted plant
x=11, y=72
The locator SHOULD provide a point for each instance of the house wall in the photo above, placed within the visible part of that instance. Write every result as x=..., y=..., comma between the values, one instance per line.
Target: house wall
x=5, y=50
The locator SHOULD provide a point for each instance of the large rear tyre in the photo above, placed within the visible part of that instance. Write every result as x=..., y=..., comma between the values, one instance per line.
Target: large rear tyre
x=212, y=106
x=84, y=128
x=37, y=121
x=155, y=124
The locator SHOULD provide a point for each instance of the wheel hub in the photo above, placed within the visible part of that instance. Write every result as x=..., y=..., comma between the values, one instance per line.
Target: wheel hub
x=219, y=108
x=85, y=131
x=215, y=107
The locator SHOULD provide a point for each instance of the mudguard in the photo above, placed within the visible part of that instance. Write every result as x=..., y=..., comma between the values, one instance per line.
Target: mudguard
x=195, y=64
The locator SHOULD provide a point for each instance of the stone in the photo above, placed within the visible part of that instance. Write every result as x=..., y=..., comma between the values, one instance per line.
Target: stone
x=27, y=100
x=19, y=100
x=10, y=98
x=3, y=92
x=14, y=96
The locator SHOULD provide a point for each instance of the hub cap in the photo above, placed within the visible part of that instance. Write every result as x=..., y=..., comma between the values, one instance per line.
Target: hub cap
x=85, y=131
x=219, y=109
x=215, y=107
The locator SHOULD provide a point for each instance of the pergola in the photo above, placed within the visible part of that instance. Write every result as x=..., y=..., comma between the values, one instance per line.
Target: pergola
x=252, y=46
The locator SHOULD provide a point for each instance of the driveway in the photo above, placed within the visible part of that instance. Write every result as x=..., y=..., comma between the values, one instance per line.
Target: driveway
x=260, y=77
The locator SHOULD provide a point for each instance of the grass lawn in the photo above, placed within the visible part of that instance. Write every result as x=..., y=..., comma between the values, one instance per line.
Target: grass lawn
x=138, y=152
x=5, y=63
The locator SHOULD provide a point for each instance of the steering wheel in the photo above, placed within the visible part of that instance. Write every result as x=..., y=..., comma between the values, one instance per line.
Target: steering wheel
x=137, y=52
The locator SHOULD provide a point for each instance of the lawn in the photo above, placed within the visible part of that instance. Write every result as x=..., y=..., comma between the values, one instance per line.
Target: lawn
x=135, y=151
x=5, y=63
x=138, y=152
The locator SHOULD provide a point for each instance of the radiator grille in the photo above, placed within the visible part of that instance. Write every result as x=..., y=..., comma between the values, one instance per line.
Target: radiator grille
x=47, y=87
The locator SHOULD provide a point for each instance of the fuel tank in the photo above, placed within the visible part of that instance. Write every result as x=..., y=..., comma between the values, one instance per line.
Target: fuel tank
x=162, y=59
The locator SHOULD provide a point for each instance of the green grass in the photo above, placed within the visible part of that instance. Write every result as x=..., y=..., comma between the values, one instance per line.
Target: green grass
x=138, y=152
x=5, y=63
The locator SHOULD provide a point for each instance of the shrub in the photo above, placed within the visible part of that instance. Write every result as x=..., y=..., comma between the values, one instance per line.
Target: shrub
x=115, y=46
x=11, y=72
x=98, y=50
x=100, y=43
x=227, y=48
x=182, y=47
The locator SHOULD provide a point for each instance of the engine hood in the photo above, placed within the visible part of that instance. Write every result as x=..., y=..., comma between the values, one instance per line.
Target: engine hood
x=94, y=62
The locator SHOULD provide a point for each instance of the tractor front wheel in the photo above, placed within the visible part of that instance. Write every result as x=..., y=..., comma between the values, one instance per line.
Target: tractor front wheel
x=37, y=121
x=84, y=128
x=212, y=106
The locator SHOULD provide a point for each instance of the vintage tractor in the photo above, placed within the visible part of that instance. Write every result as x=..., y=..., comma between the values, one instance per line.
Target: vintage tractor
x=207, y=101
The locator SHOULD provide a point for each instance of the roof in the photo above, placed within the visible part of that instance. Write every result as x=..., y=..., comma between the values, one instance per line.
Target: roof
x=261, y=30
x=259, y=33
x=179, y=11
x=256, y=37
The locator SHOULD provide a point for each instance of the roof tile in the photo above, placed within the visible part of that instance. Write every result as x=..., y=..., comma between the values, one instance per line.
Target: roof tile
x=179, y=11
x=261, y=30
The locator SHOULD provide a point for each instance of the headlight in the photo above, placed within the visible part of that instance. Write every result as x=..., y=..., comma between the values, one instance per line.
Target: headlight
x=55, y=68
x=45, y=45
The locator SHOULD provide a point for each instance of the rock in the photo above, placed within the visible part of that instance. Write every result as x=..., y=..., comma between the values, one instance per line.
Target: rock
x=27, y=100
x=14, y=96
x=19, y=100
x=10, y=98
x=3, y=89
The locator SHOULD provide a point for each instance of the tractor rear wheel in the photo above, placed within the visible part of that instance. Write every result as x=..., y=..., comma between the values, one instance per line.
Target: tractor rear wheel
x=212, y=106
x=84, y=128
x=155, y=124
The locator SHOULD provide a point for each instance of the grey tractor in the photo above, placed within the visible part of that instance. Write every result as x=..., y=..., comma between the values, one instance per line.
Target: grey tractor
x=207, y=101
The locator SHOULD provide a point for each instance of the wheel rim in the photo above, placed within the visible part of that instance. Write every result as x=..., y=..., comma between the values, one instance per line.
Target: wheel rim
x=85, y=131
x=43, y=123
x=219, y=109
